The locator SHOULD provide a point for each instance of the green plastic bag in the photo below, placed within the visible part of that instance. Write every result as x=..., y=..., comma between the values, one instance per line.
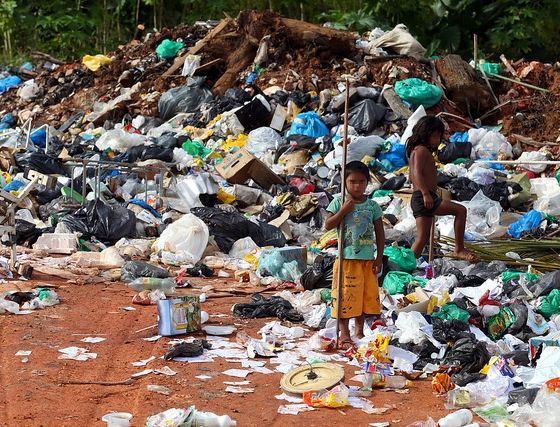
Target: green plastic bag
x=508, y=276
x=558, y=176
x=168, y=49
x=490, y=67
x=395, y=282
x=498, y=324
x=452, y=312
x=196, y=149
x=550, y=304
x=400, y=259
x=381, y=193
x=418, y=92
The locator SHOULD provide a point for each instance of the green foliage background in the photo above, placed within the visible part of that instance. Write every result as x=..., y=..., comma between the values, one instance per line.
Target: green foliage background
x=70, y=29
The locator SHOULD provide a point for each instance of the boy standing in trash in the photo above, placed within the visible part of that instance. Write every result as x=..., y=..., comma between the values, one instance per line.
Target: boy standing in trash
x=364, y=241
x=425, y=202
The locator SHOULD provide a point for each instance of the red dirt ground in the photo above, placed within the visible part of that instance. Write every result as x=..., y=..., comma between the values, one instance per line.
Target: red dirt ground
x=33, y=393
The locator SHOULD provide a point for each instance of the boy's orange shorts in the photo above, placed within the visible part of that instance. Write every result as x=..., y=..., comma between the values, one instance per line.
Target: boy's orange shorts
x=360, y=289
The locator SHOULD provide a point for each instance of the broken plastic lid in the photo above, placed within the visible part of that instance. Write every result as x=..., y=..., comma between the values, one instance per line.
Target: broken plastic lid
x=312, y=377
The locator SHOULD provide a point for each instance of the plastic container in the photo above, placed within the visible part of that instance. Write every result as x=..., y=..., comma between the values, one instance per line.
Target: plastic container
x=117, y=419
x=152, y=283
x=456, y=419
x=209, y=419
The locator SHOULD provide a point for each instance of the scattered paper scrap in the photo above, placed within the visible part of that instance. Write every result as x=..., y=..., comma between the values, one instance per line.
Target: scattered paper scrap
x=93, y=340
x=203, y=377
x=294, y=409
x=77, y=353
x=142, y=373
x=143, y=362
x=152, y=339
x=166, y=370
x=239, y=390
x=237, y=383
x=288, y=398
x=24, y=353
x=159, y=389
x=239, y=373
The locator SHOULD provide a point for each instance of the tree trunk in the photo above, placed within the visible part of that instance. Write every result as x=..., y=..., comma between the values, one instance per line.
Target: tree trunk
x=463, y=86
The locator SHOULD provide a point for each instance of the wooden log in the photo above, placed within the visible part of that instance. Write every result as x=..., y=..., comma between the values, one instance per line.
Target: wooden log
x=395, y=103
x=464, y=87
x=178, y=63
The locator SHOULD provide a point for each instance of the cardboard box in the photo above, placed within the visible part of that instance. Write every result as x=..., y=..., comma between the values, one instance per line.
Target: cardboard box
x=239, y=167
x=420, y=306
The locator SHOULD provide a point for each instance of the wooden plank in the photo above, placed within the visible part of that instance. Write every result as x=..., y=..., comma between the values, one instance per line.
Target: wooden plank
x=198, y=46
x=395, y=103
x=508, y=65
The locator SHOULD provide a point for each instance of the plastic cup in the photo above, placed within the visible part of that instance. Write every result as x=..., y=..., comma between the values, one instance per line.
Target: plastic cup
x=117, y=419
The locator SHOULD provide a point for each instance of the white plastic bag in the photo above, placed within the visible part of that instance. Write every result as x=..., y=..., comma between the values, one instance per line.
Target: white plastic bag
x=242, y=247
x=533, y=156
x=263, y=139
x=481, y=175
x=488, y=144
x=411, y=122
x=188, y=236
x=190, y=187
x=400, y=41
x=483, y=214
x=119, y=140
x=409, y=324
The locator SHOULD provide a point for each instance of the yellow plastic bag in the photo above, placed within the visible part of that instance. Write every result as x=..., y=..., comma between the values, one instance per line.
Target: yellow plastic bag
x=225, y=197
x=238, y=141
x=95, y=62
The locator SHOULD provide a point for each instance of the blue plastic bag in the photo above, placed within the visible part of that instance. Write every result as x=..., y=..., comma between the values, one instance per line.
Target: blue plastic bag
x=395, y=158
x=308, y=124
x=459, y=137
x=8, y=83
x=528, y=222
x=39, y=137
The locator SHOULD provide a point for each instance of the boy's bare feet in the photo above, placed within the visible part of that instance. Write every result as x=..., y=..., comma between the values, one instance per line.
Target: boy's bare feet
x=466, y=255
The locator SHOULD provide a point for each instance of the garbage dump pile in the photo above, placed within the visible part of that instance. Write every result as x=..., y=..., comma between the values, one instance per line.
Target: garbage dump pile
x=212, y=150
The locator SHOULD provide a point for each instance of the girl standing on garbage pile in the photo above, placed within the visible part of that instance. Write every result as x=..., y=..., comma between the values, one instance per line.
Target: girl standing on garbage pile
x=364, y=241
x=425, y=202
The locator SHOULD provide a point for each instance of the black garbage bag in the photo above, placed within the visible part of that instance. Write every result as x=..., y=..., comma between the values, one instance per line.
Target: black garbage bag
x=132, y=270
x=521, y=312
x=271, y=307
x=168, y=140
x=299, y=98
x=395, y=183
x=187, y=349
x=332, y=119
x=26, y=232
x=470, y=281
x=238, y=95
x=40, y=162
x=463, y=378
x=365, y=115
x=454, y=151
x=228, y=227
x=449, y=330
x=320, y=274
x=463, y=188
x=157, y=153
x=184, y=99
x=545, y=285
x=469, y=354
x=45, y=194
x=107, y=223
x=498, y=191
x=254, y=114
x=522, y=396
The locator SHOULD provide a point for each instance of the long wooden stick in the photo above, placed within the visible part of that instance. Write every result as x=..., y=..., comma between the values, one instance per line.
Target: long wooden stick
x=431, y=247
x=343, y=199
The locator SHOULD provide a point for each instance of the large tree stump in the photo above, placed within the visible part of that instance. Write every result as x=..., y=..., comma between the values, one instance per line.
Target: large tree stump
x=463, y=86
